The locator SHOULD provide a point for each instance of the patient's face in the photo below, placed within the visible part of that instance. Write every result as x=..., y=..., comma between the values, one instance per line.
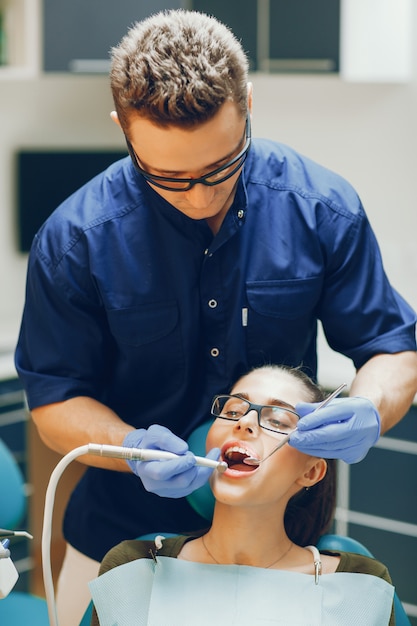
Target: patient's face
x=278, y=478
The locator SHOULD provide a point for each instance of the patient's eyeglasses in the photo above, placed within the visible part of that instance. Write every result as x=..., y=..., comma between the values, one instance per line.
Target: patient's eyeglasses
x=276, y=418
x=217, y=176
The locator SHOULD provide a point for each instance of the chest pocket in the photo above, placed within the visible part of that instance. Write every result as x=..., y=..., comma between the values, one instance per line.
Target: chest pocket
x=145, y=324
x=150, y=352
x=287, y=299
x=282, y=319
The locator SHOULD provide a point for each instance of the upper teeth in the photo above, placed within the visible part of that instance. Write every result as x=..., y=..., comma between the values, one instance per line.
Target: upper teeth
x=230, y=451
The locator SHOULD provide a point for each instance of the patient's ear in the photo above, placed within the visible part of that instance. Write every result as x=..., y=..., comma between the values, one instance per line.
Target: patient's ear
x=314, y=473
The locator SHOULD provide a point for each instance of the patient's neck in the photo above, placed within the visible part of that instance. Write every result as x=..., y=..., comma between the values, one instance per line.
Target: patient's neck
x=247, y=536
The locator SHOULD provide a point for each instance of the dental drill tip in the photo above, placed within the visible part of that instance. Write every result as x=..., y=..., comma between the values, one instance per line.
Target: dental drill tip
x=222, y=467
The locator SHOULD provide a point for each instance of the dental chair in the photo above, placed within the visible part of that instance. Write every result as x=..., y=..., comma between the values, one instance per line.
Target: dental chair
x=203, y=503
x=347, y=544
x=18, y=608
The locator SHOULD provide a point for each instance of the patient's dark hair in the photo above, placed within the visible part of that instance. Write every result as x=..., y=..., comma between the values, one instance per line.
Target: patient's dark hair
x=309, y=512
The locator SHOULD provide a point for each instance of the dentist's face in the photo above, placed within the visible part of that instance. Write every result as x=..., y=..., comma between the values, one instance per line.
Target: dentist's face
x=180, y=152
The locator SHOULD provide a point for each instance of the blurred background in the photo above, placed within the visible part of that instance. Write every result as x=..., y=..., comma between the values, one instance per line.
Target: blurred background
x=335, y=79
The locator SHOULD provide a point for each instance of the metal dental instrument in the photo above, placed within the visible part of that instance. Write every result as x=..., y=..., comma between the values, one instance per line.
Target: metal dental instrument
x=250, y=460
x=144, y=454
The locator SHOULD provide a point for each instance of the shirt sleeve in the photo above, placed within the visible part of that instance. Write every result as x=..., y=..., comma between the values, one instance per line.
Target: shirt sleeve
x=362, y=314
x=59, y=351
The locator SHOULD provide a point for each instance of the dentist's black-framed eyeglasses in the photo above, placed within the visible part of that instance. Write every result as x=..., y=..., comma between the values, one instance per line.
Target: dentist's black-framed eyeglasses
x=276, y=418
x=215, y=177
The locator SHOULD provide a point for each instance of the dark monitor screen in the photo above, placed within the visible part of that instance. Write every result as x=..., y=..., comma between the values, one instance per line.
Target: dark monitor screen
x=46, y=178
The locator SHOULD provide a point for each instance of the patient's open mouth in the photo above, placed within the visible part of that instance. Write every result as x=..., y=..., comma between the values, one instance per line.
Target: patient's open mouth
x=234, y=457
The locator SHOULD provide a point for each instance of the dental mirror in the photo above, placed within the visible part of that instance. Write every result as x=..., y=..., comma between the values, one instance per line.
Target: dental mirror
x=250, y=460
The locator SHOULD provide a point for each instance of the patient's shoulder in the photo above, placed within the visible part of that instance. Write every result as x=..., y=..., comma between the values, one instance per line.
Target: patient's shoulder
x=360, y=564
x=133, y=549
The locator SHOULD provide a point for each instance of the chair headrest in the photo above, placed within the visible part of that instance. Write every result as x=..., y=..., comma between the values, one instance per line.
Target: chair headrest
x=202, y=500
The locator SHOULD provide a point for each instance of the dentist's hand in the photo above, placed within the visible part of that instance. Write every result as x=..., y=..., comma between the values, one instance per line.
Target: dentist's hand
x=174, y=478
x=344, y=429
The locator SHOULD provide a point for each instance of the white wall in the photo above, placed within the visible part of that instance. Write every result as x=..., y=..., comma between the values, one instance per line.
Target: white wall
x=366, y=132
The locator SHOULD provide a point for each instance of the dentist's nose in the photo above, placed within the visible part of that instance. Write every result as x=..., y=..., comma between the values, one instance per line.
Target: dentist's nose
x=200, y=196
x=248, y=422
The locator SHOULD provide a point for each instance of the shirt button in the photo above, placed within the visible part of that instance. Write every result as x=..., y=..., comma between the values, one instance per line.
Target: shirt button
x=240, y=213
x=212, y=304
x=214, y=352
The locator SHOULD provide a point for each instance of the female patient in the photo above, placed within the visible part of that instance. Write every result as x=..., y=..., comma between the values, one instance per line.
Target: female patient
x=266, y=519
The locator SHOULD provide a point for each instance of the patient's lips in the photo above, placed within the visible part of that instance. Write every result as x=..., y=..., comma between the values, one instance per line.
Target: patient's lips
x=234, y=454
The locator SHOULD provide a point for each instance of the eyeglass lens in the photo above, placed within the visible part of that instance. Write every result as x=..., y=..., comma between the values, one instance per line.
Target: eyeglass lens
x=275, y=418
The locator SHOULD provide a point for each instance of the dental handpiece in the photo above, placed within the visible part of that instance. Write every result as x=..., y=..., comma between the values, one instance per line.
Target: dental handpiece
x=145, y=454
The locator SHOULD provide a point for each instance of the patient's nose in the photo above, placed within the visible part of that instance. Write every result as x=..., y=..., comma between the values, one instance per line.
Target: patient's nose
x=248, y=422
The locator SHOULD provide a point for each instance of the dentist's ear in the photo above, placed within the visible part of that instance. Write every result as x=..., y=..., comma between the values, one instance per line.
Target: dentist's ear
x=115, y=118
x=250, y=97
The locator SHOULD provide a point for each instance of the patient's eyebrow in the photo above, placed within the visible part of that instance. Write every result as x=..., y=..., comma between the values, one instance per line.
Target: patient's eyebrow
x=271, y=401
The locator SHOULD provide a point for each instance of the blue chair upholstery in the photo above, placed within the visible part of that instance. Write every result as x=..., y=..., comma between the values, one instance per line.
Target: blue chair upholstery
x=18, y=608
x=23, y=609
x=86, y=619
x=12, y=490
x=202, y=499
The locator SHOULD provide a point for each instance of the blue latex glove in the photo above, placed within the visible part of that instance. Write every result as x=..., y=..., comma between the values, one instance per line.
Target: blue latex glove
x=344, y=429
x=174, y=478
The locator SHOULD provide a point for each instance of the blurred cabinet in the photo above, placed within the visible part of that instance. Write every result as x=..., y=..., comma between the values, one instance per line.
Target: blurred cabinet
x=78, y=35
x=242, y=19
x=296, y=36
x=282, y=36
x=19, y=38
x=347, y=38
